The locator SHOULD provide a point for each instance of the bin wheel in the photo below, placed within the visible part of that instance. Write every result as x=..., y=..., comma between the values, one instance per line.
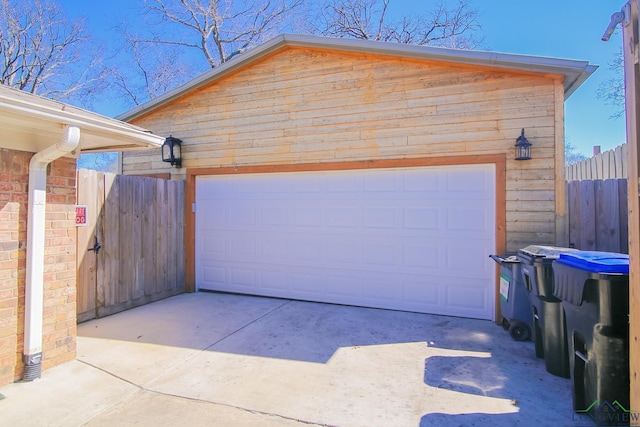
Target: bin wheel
x=519, y=331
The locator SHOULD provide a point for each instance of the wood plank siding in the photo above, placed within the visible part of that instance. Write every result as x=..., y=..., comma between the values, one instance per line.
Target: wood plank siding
x=301, y=105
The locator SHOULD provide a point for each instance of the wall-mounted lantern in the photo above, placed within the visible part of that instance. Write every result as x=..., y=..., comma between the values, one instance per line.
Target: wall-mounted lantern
x=523, y=148
x=172, y=152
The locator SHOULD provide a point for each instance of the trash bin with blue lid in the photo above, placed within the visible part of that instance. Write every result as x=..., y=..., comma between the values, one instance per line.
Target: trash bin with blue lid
x=594, y=289
x=548, y=329
x=515, y=304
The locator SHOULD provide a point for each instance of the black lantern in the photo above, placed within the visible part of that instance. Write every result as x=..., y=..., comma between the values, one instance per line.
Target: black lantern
x=171, y=151
x=523, y=148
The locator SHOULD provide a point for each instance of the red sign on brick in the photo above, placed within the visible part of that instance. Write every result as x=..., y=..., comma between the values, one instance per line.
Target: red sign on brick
x=81, y=215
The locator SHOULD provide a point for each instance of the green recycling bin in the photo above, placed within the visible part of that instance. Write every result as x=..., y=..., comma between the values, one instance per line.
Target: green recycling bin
x=548, y=329
x=594, y=289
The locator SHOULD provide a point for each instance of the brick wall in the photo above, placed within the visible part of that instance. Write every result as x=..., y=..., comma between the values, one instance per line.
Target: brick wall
x=59, y=317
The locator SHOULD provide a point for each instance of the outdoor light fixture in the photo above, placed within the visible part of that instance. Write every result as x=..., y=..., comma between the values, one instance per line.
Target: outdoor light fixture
x=171, y=151
x=523, y=148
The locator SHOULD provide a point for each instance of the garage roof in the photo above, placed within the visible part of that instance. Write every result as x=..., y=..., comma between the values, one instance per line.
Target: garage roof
x=32, y=123
x=575, y=72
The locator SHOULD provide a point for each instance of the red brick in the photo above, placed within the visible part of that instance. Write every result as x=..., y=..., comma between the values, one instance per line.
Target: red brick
x=69, y=274
x=59, y=312
x=21, y=197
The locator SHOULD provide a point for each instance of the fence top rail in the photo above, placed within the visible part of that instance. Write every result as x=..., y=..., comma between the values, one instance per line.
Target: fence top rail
x=610, y=164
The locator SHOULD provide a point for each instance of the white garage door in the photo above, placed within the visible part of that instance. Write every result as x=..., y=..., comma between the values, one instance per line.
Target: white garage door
x=415, y=239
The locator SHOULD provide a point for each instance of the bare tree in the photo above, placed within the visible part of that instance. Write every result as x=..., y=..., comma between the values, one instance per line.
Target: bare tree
x=571, y=154
x=151, y=72
x=219, y=29
x=449, y=26
x=42, y=52
x=182, y=38
x=105, y=162
x=611, y=91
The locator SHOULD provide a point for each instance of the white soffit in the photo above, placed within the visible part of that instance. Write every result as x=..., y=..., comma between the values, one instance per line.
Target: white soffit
x=31, y=123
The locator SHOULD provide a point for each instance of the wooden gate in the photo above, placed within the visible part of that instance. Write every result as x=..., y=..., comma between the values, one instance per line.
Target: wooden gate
x=131, y=252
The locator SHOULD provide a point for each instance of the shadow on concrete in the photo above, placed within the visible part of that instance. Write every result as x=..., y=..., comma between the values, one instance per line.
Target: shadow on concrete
x=462, y=357
x=507, y=370
x=279, y=328
x=502, y=420
x=471, y=375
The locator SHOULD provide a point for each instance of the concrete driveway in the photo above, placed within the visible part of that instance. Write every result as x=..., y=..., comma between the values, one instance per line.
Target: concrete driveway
x=218, y=359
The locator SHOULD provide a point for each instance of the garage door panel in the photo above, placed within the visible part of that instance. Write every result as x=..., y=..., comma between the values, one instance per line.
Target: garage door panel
x=384, y=181
x=341, y=184
x=409, y=239
x=214, y=247
x=214, y=276
x=467, y=219
x=466, y=296
x=422, y=256
x=343, y=285
x=418, y=294
x=306, y=251
x=342, y=217
x=273, y=249
x=423, y=218
x=380, y=253
x=381, y=288
x=273, y=282
x=467, y=180
x=381, y=217
x=273, y=216
x=473, y=258
x=343, y=251
x=242, y=278
x=422, y=181
x=307, y=216
x=241, y=247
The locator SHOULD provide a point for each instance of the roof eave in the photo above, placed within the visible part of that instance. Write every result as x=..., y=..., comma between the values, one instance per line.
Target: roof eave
x=99, y=133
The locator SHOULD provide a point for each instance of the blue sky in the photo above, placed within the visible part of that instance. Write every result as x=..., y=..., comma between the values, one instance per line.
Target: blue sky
x=554, y=28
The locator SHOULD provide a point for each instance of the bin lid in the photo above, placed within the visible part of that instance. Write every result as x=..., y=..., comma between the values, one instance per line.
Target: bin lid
x=545, y=251
x=505, y=259
x=596, y=261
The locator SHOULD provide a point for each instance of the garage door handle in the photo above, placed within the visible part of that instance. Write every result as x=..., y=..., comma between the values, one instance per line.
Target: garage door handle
x=95, y=247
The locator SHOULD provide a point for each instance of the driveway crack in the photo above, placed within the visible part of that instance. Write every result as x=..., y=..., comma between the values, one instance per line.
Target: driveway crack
x=240, y=408
x=257, y=319
x=143, y=389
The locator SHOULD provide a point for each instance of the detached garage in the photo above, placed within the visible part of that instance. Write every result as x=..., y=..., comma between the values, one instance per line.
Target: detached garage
x=365, y=173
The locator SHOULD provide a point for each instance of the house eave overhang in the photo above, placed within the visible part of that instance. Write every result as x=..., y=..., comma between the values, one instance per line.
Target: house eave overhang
x=31, y=123
x=574, y=72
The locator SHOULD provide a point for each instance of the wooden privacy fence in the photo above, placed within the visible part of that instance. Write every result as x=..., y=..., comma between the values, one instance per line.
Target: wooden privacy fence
x=597, y=211
x=138, y=225
x=611, y=164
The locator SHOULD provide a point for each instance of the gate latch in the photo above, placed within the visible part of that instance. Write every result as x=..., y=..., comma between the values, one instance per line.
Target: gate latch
x=95, y=247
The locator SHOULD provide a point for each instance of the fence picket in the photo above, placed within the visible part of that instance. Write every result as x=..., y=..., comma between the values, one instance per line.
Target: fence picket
x=597, y=214
x=609, y=164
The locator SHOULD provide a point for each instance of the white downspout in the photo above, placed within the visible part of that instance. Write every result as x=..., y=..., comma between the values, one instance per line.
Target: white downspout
x=34, y=289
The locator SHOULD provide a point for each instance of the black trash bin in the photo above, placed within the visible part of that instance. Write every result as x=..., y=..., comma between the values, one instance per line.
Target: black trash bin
x=594, y=289
x=548, y=329
x=514, y=298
